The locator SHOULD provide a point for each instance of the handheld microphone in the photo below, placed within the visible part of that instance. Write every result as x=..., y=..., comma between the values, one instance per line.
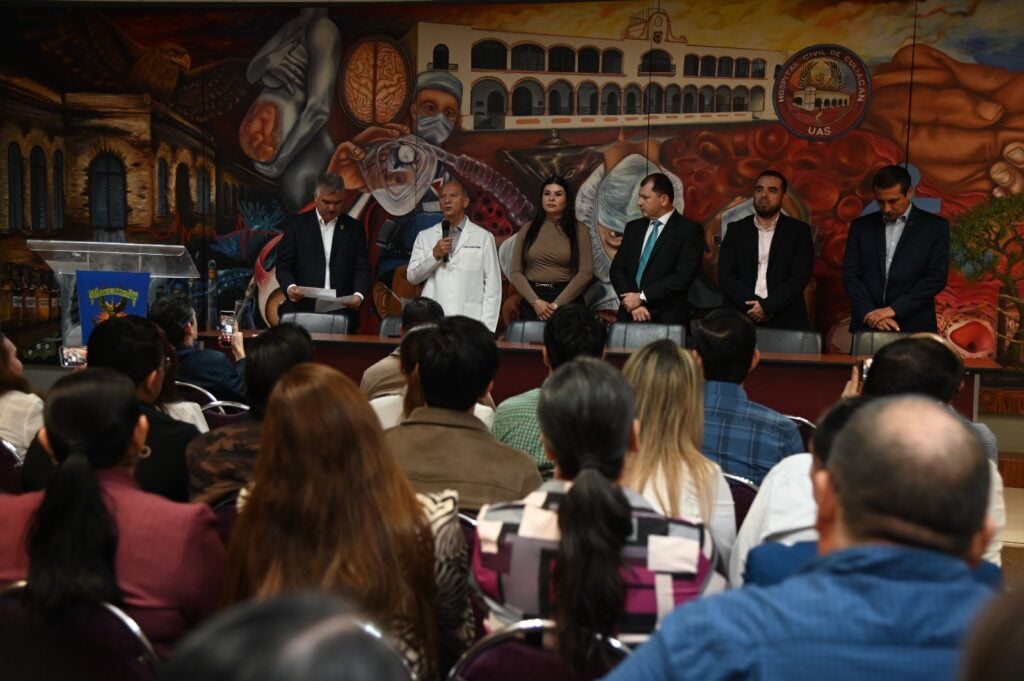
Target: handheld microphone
x=446, y=230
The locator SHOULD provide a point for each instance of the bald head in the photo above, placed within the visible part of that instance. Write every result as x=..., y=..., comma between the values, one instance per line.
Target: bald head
x=910, y=471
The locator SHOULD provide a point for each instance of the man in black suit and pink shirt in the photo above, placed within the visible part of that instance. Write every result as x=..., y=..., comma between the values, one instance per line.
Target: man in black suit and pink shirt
x=324, y=248
x=897, y=260
x=766, y=259
x=659, y=258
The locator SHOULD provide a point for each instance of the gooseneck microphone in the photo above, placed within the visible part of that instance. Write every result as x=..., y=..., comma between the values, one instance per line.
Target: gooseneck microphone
x=446, y=230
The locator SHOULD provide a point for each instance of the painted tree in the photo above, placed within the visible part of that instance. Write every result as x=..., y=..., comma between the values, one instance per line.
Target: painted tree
x=987, y=242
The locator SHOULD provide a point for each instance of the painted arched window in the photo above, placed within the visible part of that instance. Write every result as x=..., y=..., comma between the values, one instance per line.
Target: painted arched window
x=725, y=67
x=107, y=203
x=611, y=61
x=37, y=187
x=673, y=99
x=162, y=205
x=527, y=58
x=707, y=99
x=757, y=99
x=58, y=190
x=654, y=99
x=589, y=60
x=440, y=57
x=690, y=99
x=656, y=61
x=739, y=99
x=707, y=66
x=490, y=55
x=610, y=98
x=743, y=68
x=757, y=68
x=15, y=189
x=561, y=59
x=203, y=191
x=691, y=65
x=723, y=98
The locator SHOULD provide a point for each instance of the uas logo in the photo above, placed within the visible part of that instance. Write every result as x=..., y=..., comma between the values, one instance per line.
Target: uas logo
x=822, y=92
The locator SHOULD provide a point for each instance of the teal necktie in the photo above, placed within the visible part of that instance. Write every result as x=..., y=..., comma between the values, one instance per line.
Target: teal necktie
x=648, y=247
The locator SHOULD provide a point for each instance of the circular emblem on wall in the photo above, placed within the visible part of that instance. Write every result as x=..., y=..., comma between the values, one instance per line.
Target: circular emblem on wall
x=822, y=92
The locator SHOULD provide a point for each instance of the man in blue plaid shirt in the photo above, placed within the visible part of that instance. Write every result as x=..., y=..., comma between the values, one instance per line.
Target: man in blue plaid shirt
x=743, y=437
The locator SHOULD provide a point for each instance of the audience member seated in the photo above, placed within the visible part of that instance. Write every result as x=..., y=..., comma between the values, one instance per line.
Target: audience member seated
x=571, y=331
x=667, y=466
x=442, y=445
x=385, y=377
x=330, y=509
x=209, y=369
x=393, y=409
x=21, y=410
x=901, y=517
x=220, y=462
x=131, y=346
x=927, y=366
x=167, y=401
x=594, y=556
x=743, y=437
x=784, y=511
x=995, y=648
x=307, y=636
x=94, y=535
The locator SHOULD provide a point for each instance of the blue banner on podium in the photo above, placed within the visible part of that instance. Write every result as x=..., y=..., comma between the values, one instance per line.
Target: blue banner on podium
x=102, y=295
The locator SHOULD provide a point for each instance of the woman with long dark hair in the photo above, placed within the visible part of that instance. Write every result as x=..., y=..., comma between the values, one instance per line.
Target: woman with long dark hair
x=21, y=410
x=552, y=263
x=616, y=561
x=93, y=535
x=331, y=509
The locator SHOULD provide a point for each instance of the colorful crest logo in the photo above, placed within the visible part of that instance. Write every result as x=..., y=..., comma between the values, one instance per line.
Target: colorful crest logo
x=822, y=92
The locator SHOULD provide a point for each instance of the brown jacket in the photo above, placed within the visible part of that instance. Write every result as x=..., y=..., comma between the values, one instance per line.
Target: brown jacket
x=443, y=449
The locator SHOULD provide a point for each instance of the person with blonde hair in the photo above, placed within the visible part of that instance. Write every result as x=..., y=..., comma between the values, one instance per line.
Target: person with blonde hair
x=667, y=466
x=330, y=509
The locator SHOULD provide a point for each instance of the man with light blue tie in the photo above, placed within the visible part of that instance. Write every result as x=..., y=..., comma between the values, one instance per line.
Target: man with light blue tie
x=896, y=261
x=659, y=258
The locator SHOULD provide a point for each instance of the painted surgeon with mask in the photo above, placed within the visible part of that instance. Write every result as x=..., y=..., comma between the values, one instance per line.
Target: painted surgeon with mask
x=403, y=171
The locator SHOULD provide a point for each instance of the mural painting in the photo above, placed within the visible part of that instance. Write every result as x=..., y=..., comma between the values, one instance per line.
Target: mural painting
x=208, y=127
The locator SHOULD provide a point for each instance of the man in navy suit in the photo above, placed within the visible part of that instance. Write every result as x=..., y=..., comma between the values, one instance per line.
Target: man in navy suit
x=766, y=260
x=324, y=248
x=897, y=260
x=659, y=258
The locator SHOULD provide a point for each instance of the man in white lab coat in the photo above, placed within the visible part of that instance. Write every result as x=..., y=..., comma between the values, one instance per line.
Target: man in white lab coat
x=457, y=262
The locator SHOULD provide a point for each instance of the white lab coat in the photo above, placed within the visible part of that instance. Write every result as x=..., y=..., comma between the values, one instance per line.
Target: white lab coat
x=469, y=284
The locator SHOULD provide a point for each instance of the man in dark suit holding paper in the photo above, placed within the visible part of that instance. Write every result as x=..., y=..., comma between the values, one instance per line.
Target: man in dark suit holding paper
x=766, y=260
x=659, y=258
x=325, y=249
x=897, y=260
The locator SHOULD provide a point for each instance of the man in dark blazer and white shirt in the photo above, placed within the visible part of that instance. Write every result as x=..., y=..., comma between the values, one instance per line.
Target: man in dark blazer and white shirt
x=312, y=240
x=766, y=260
x=897, y=260
x=652, y=279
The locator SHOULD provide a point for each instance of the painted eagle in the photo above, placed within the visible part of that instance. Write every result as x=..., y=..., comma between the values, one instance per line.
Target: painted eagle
x=100, y=54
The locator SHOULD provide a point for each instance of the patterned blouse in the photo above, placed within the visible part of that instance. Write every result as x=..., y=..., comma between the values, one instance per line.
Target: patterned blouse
x=665, y=562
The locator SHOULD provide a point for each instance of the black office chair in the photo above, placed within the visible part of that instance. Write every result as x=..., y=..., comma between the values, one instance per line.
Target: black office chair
x=525, y=331
x=789, y=341
x=85, y=642
x=869, y=342
x=316, y=322
x=391, y=326
x=222, y=412
x=743, y=492
x=190, y=392
x=639, y=334
x=519, y=652
x=10, y=469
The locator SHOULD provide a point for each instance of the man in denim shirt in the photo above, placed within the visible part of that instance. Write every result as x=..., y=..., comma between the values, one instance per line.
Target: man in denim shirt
x=743, y=437
x=901, y=516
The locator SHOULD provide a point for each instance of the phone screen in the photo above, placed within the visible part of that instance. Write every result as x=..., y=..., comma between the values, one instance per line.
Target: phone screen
x=73, y=356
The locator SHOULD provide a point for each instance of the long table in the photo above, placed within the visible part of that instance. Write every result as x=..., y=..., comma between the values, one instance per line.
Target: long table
x=798, y=385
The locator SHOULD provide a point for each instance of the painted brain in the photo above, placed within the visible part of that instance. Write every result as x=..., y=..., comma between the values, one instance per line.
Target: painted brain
x=375, y=81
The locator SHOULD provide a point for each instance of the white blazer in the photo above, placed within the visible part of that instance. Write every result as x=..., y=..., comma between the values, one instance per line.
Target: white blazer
x=469, y=284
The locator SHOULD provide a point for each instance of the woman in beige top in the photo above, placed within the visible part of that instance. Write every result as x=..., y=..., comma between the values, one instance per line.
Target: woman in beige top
x=552, y=263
